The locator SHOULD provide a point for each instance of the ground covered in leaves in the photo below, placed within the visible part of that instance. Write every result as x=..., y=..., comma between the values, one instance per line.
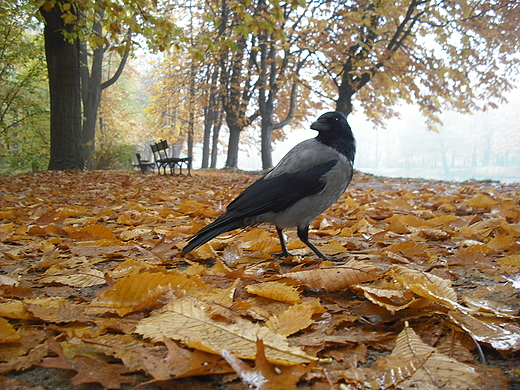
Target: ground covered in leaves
x=95, y=293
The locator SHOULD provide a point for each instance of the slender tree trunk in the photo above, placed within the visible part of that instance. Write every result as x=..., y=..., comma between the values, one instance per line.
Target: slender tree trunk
x=210, y=118
x=91, y=88
x=214, y=142
x=208, y=125
x=63, y=65
x=191, y=128
x=91, y=91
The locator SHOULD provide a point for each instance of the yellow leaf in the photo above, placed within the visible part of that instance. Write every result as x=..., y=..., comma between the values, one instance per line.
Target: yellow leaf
x=8, y=281
x=408, y=249
x=415, y=365
x=501, y=243
x=15, y=310
x=141, y=291
x=7, y=333
x=332, y=248
x=513, y=261
x=77, y=278
x=190, y=321
x=101, y=232
x=481, y=201
x=275, y=290
x=426, y=285
x=294, y=319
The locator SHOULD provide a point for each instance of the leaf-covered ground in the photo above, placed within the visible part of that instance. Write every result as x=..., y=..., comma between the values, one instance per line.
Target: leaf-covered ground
x=95, y=293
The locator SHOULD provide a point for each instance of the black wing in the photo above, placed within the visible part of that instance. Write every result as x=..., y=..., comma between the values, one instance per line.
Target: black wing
x=278, y=193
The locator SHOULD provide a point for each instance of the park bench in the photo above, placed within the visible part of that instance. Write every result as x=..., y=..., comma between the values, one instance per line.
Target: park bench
x=163, y=159
x=144, y=165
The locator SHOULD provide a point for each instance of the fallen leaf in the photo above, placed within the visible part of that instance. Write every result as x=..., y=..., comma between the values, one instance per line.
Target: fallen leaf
x=190, y=321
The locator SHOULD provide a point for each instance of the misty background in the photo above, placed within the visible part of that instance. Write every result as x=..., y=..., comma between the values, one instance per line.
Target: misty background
x=481, y=146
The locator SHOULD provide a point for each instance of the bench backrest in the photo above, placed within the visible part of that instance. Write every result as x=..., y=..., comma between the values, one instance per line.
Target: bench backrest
x=161, y=148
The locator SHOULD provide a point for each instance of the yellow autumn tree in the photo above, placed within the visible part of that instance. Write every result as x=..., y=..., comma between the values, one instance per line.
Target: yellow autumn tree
x=458, y=55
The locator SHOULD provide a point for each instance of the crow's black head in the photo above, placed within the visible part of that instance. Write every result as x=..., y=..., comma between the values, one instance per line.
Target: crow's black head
x=334, y=131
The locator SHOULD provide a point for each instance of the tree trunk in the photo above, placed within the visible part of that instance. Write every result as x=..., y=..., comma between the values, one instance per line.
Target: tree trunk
x=63, y=66
x=233, y=145
x=210, y=118
x=267, y=141
x=214, y=142
x=91, y=87
x=344, y=101
x=91, y=91
x=208, y=125
x=191, y=125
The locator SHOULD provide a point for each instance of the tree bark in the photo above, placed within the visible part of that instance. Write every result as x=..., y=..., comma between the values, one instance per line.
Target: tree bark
x=214, y=142
x=211, y=115
x=91, y=88
x=63, y=66
x=91, y=92
x=233, y=144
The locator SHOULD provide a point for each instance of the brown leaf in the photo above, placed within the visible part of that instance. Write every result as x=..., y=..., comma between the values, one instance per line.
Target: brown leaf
x=337, y=277
x=266, y=376
x=110, y=376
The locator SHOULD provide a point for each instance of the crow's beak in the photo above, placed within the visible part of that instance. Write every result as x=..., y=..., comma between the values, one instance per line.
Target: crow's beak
x=319, y=126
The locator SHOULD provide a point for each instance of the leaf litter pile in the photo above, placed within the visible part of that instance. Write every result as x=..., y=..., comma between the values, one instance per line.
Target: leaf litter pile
x=95, y=292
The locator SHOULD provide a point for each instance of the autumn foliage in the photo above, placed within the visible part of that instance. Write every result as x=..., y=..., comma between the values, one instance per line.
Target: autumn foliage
x=93, y=285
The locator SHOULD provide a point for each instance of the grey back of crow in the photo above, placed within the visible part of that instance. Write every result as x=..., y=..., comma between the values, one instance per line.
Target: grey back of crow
x=307, y=181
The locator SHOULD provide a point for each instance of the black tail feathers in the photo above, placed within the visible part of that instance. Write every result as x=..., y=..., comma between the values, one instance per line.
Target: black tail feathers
x=209, y=232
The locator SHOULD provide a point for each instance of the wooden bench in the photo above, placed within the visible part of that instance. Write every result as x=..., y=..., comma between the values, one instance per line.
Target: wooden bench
x=164, y=160
x=144, y=165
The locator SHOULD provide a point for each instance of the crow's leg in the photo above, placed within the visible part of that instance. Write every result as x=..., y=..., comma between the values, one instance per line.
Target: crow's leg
x=303, y=234
x=285, y=252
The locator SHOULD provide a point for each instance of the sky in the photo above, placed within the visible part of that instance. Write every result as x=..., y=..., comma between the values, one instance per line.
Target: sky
x=482, y=146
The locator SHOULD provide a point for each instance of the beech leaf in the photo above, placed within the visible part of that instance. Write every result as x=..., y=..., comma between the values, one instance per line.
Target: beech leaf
x=190, y=321
x=337, y=277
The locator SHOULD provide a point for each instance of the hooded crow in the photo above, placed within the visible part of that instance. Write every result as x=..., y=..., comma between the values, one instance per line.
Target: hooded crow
x=306, y=182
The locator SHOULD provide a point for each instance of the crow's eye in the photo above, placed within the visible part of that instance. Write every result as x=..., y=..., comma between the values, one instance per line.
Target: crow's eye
x=336, y=119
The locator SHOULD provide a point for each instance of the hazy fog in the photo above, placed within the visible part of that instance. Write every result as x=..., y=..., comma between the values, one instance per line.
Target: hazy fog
x=482, y=146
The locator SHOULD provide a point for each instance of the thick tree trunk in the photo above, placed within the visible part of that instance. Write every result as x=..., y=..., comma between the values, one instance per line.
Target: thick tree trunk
x=267, y=142
x=63, y=65
x=344, y=100
x=233, y=145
